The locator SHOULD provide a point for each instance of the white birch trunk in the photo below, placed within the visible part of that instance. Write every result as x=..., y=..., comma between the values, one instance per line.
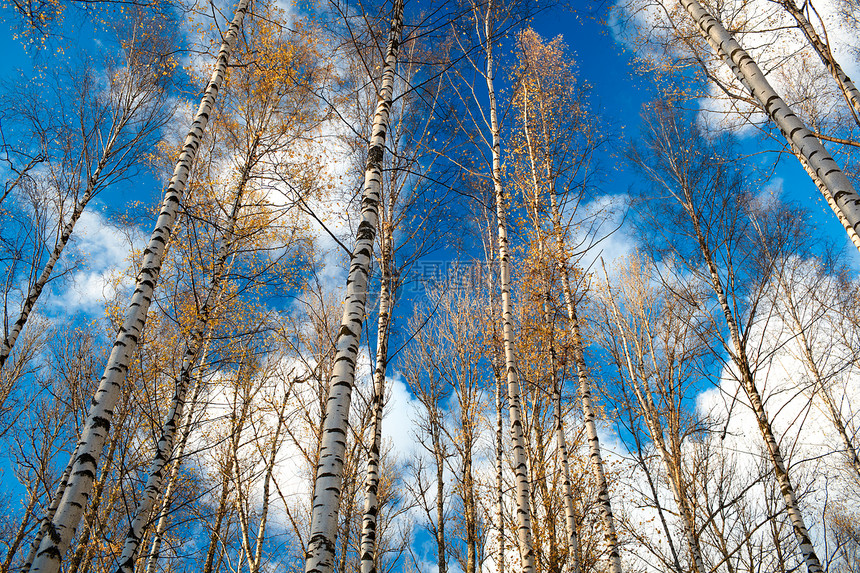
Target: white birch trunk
x=797, y=134
x=567, y=484
x=605, y=503
x=801, y=533
x=558, y=418
x=329, y=476
x=371, y=483
x=64, y=525
x=597, y=467
x=255, y=557
x=524, y=529
x=499, y=438
x=154, y=550
x=49, y=516
x=849, y=90
x=500, y=484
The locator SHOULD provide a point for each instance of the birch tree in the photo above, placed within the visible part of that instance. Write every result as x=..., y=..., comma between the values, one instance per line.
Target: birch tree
x=261, y=96
x=321, y=548
x=820, y=44
x=694, y=177
x=652, y=342
x=67, y=517
x=801, y=286
x=556, y=166
x=812, y=152
x=411, y=226
x=429, y=489
x=487, y=22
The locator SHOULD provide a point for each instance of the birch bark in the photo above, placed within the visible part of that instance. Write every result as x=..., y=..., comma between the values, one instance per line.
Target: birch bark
x=499, y=437
x=371, y=483
x=524, y=530
x=801, y=533
x=609, y=533
x=558, y=419
x=35, y=291
x=329, y=475
x=500, y=484
x=64, y=525
x=49, y=515
x=797, y=134
x=154, y=550
x=595, y=456
x=849, y=90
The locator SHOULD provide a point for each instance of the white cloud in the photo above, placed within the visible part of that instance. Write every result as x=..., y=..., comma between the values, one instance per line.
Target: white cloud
x=604, y=234
x=102, y=252
x=400, y=420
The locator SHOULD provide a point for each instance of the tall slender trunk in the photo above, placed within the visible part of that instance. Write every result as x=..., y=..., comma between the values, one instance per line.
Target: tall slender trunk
x=154, y=551
x=371, y=483
x=846, y=86
x=164, y=448
x=255, y=556
x=238, y=417
x=438, y=453
x=608, y=521
x=564, y=461
x=524, y=528
x=609, y=533
x=65, y=523
x=45, y=524
x=20, y=533
x=470, y=510
x=93, y=524
x=558, y=418
x=594, y=453
x=801, y=533
x=35, y=290
x=219, y=518
x=329, y=477
x=500, y=484
x=748, y=72
x=499, y=438
x=84, y=550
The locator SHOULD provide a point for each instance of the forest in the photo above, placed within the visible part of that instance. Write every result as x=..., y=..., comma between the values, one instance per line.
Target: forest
x=430, y=286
